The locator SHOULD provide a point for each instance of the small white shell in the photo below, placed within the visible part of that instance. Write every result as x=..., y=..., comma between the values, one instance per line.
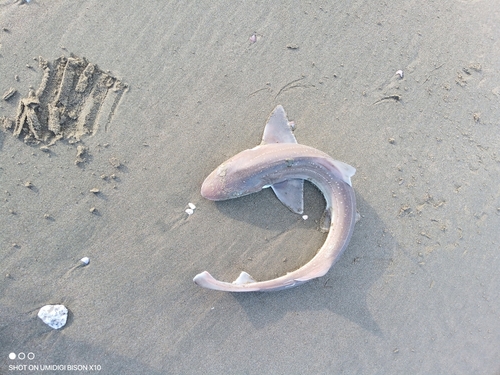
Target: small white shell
x=305, y=217
x=400, y=73
x=191, y=206
x=54, y=316
x=85, y=260
x=189, y=211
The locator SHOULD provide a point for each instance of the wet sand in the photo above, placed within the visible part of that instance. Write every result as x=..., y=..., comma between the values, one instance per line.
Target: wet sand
x=415, y=292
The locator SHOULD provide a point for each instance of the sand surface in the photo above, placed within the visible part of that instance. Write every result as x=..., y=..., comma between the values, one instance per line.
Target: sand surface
x=416, y=292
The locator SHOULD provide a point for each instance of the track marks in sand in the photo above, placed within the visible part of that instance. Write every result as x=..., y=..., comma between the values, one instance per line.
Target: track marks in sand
x=75, y=98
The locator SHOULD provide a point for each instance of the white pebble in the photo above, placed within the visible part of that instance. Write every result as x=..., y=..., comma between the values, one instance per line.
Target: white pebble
x=305, y=217
x=191, y=206
x=189, y=211
x=85, y=260
x=400, y=73
x=54, y=316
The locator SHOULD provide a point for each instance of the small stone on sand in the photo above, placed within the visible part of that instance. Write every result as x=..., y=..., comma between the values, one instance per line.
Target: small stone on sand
x=54, y=316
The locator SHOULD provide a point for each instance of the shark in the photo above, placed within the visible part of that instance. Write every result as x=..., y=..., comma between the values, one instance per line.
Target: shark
x=282, y=164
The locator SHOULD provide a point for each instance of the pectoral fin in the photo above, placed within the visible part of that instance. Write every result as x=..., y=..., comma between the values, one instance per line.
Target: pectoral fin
x=291, y=194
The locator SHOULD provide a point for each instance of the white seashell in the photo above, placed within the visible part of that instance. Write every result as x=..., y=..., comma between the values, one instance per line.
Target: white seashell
x=400, y=73
x=85, y=260
x=191, y=206
x=54, y=316
x=189, y=211
x=305, y=217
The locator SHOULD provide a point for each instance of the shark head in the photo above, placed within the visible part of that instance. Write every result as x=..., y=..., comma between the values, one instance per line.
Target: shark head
x=232, y=179
x=238, y=176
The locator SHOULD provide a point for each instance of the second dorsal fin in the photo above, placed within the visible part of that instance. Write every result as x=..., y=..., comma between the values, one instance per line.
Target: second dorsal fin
x=244, y=278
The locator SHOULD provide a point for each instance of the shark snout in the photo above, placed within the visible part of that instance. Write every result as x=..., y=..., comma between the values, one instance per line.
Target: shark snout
x=213, y=187
x=208, y=190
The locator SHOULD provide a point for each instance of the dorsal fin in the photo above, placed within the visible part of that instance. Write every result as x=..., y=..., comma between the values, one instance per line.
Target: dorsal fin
x=346, y=170
x=244, y=278
x=277, y=128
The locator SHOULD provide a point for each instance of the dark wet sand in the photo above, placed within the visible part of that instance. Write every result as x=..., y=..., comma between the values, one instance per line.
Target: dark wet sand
x=417, y=291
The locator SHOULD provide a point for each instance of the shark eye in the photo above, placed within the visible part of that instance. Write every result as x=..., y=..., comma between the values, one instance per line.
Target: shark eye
x=221, y=171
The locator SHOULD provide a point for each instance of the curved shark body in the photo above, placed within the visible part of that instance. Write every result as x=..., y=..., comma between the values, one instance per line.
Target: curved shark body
x=281, y=163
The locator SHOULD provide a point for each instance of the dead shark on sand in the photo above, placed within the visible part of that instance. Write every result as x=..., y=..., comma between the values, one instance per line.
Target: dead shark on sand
x=281, y=163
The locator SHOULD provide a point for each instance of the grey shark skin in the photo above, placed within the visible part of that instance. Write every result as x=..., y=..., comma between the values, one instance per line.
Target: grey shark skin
x=281, y=163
